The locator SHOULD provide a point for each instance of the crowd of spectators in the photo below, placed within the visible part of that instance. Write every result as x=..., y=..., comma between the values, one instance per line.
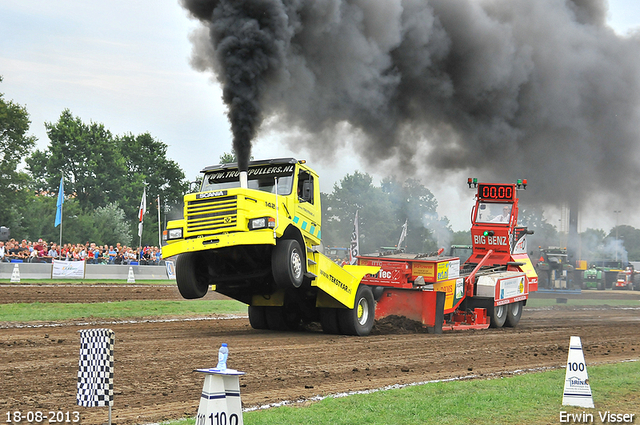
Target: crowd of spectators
x=44, y=252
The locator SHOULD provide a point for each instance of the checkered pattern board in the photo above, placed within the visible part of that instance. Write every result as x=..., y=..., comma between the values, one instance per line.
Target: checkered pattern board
x=95, y=370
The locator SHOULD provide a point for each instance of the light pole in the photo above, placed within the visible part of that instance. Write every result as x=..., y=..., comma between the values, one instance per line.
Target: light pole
x=617, y=213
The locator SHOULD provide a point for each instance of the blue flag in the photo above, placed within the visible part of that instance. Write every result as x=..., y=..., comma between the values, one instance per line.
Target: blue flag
x=59, y=204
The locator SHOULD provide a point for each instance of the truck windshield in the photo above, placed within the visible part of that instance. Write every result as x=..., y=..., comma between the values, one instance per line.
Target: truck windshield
x=260, y=178
x=493, y=212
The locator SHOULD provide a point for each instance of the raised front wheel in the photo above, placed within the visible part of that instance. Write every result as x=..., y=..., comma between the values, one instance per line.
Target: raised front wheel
x=498, y=315
x=287, y=264
x=514, y=312
x=191, y=276
x=358, y=320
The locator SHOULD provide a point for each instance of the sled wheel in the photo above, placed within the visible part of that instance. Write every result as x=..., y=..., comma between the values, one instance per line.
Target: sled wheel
x=329, y=321
x=514, y=312
x=358, y=320
x=257, y=317
x=191, y=276
x=282, y=319
x=287, y=264
x=498, y=315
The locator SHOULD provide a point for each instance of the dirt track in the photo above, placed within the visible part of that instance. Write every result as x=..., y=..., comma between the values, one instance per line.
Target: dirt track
x=154, y=359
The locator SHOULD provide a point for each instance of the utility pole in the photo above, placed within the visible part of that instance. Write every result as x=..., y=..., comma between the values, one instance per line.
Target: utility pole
x=617, y=213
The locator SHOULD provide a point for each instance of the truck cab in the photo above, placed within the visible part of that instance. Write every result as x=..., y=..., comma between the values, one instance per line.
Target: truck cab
x=255, y=236
x=237, y=237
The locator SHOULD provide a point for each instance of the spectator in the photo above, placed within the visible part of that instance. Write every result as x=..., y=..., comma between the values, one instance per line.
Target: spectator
x=147, y=256
x=2, y=252
x=158, y=253
x=53, y=251
x=23, y=250
x=113, y=254
x=119, y=257
x=10, y=250
x=105, y=257
x=90, y=256
x=128, y=256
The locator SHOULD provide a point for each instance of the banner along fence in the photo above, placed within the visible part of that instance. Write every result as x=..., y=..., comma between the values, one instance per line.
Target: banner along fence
x=92, y=271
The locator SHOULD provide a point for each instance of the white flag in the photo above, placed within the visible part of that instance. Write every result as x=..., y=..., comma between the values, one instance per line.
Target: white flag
x=355, y=246
x=143, y=210
x=403, y=234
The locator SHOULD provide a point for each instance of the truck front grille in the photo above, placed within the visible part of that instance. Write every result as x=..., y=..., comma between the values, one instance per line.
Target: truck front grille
x=211, y=215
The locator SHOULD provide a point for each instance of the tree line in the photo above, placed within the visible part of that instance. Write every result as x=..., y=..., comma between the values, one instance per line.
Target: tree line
x=104, y=175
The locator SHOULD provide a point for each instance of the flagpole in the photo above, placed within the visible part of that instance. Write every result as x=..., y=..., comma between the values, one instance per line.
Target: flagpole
x=159, y=227
x=142, y=211
x=61, y=207
x=60, y=227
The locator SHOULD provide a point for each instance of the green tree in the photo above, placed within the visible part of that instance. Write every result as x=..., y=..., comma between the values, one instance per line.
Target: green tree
x=15, y=144
x=147, y=163
x=462, y=237
x=382, y=213
x=592, y=242
x=629, y=238
x=356, y=192
x=414, y=204
x=544, y=234
x=228, y=158
x=100, y=169
x=86, y=155
x=111, y=225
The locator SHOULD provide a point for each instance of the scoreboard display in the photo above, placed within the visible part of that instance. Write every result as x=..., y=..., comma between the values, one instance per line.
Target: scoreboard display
x=496, y=192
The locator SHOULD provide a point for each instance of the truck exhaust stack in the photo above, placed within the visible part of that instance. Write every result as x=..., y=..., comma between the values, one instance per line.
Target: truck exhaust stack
x=243, y=180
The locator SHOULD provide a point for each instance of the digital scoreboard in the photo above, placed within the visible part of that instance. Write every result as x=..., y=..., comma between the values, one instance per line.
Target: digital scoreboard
x=496, y=192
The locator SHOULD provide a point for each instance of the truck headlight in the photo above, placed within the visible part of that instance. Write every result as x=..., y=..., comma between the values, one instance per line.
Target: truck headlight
x=171, y=234
x=262, y=223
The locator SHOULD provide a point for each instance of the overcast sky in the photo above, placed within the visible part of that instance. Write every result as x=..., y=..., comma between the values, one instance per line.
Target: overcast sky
x=126, y=64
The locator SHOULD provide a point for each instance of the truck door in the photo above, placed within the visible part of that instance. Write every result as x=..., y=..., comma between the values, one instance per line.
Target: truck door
x=307, y=214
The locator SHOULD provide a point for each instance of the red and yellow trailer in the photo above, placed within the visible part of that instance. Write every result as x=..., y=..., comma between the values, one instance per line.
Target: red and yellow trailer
x=489, y=289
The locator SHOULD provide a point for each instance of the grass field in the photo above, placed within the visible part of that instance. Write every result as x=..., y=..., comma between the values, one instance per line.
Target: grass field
x=532, y=399
x=25, y=312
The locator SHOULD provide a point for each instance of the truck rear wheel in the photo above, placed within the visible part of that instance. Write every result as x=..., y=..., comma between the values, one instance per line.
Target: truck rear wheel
x=257, y=317
x=514, y=312
x=329, y=321
x=287, y=264
x=191, y=276
x=498, y=314
x=358, y=320
x=282, y=319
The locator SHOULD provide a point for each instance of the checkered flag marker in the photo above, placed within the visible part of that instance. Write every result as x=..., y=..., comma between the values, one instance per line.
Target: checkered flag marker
x=95, y=369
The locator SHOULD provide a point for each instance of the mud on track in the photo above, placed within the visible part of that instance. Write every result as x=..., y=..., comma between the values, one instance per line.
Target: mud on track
x=154, y=360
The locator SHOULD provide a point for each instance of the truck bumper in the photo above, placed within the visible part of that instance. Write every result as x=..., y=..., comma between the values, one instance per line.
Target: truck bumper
x=256, y=237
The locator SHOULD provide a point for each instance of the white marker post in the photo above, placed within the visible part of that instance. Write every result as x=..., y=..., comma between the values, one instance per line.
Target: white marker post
x=220, y=401
x=577, y=391
x=131, y=278
x=15, y=275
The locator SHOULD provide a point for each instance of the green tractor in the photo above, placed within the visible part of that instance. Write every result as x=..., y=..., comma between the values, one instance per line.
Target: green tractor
x=602, y=274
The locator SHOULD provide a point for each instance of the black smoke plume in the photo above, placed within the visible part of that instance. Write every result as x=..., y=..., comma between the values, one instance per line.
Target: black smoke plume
x=539, y=89
x=247, y=47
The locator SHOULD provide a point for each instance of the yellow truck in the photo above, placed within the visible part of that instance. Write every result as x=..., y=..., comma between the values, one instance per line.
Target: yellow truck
x=255, y=236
